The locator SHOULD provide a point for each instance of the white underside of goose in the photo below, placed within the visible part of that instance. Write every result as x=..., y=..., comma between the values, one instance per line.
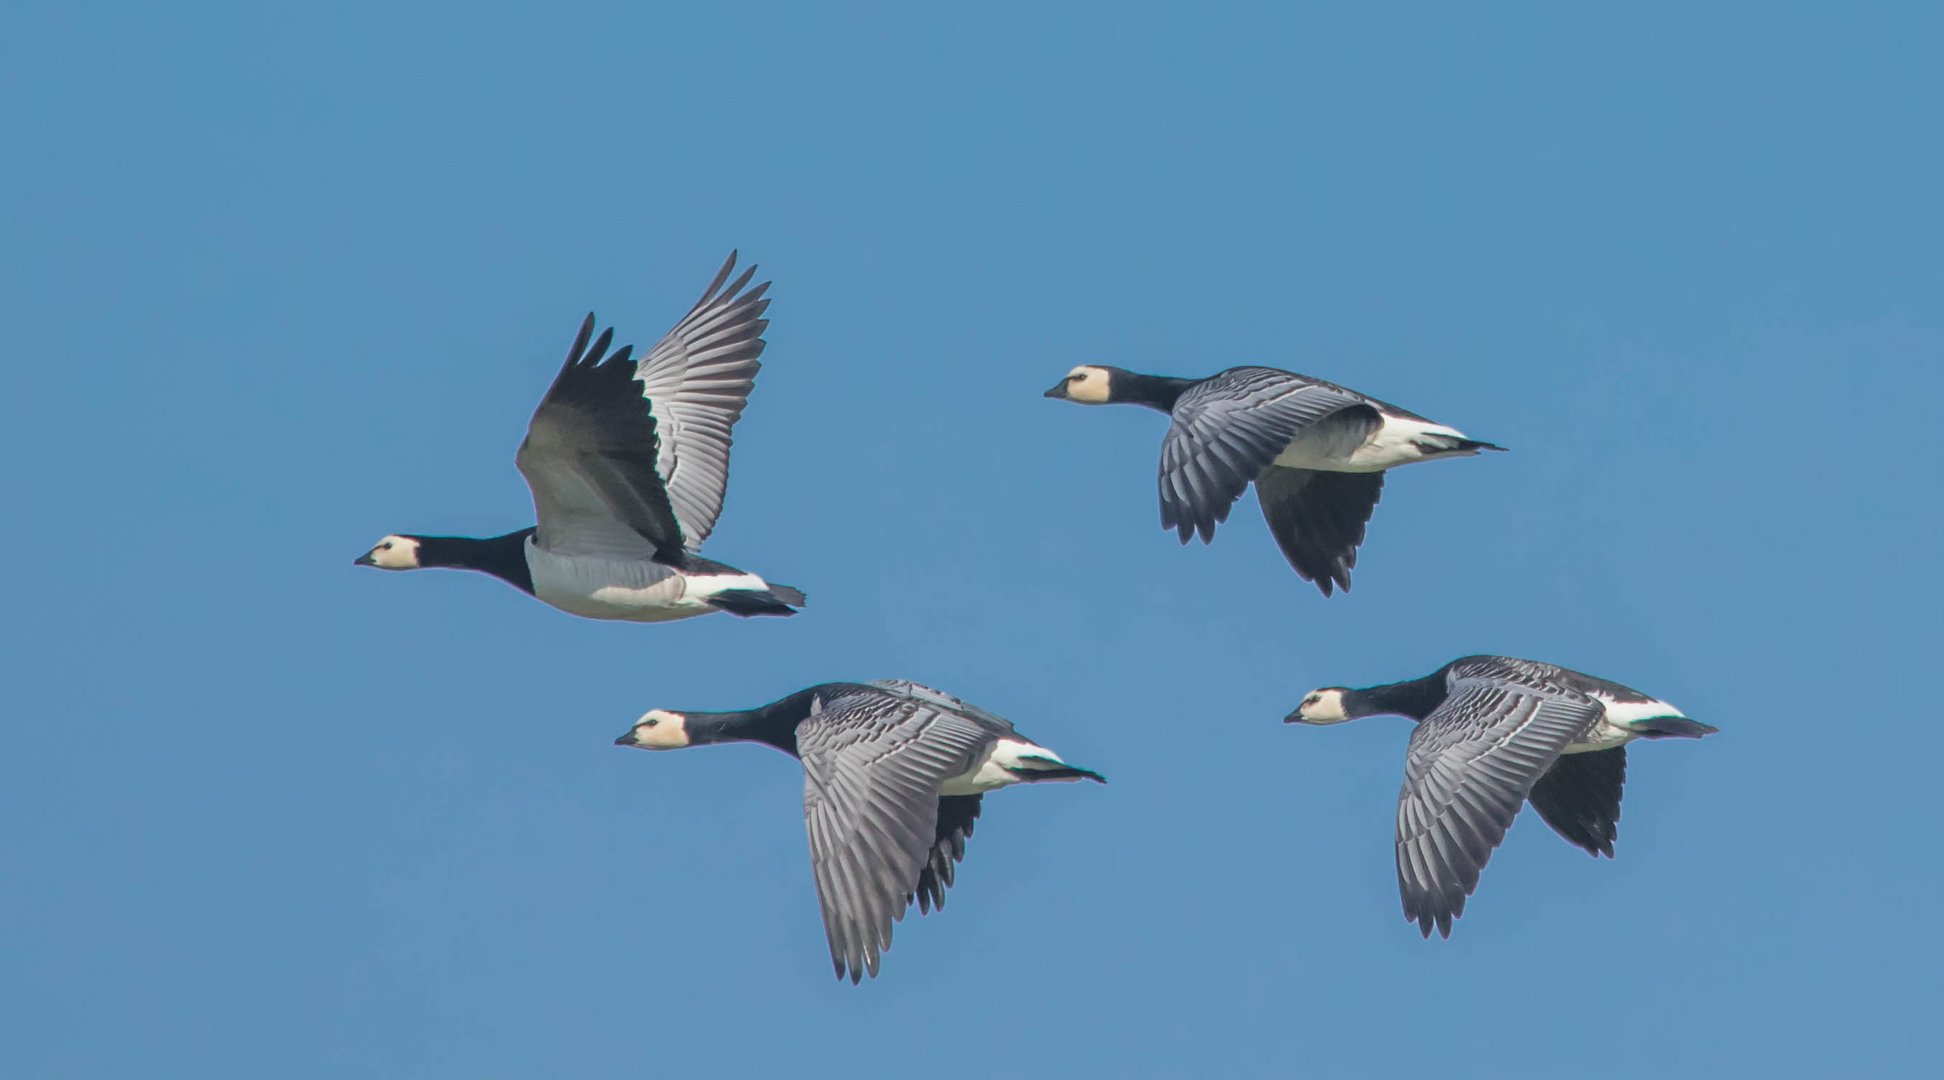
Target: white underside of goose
x=994, y=767
x=1616, y=724
x=1399, y=440
x=631, y=590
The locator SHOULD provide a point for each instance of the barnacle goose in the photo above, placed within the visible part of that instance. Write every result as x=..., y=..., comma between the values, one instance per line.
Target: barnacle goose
x=627, y=463
x=1315, y=451
x=1493, y=733
x=893, y=775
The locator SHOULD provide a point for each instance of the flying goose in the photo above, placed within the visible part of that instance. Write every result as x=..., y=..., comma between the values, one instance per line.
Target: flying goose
x=627, y=463
x=893, y=773
x=1315, y=450
x=1495, y=732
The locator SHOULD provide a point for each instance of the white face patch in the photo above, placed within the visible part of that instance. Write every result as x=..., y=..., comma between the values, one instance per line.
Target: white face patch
x=659, y=729
x=1089, y=385
x=1322, y=707
x=394, y=553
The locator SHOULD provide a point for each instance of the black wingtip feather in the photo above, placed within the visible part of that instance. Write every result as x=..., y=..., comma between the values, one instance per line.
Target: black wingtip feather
x=599, y=349
x=1674, y=727
x=580, y=341
x=750, y=602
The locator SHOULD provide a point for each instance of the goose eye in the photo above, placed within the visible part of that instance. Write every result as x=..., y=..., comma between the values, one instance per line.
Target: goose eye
x=650, y=723
x=1082, y=377
x=386, y=546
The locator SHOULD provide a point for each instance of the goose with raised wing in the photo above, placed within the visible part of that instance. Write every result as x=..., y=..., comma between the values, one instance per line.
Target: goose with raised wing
x=628, y=463
x=1493, y=733
x=893, y=777
x=1315, y=451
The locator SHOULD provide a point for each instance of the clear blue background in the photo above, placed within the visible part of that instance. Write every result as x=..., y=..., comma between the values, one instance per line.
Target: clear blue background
x=276, y=282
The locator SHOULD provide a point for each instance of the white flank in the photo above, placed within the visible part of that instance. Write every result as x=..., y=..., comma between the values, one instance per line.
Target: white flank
x=632, y=590
x=1399, y=440
x=1616, y=723
x=993, y=769
x=707, y=585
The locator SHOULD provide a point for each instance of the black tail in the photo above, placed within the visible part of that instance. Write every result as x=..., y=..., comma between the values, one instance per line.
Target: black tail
x=789, y=594
x=1672, y=727
x=1479, y=444
x=747, y=602
x=1053, y=770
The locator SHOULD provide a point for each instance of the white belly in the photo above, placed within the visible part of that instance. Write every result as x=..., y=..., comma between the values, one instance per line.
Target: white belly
x=993, y=769
x=1616, y=724
x=1397, y=441
x=601, y=588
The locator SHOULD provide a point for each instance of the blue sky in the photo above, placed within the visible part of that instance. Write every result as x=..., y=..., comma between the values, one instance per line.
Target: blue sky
x=276, y=282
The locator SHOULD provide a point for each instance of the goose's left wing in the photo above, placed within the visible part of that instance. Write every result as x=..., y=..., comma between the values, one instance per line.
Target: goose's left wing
x=589, y=458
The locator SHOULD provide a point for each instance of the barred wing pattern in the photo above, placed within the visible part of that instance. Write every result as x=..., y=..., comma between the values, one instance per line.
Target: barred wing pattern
x=1226, y=430
x=1470, y=766
x=873, y=761
x=697, y=380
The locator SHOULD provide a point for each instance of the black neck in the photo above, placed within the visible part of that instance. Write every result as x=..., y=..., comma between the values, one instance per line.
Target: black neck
x=1154, y=391
x=504, y=557
x=774, y=724
x=1414, y=698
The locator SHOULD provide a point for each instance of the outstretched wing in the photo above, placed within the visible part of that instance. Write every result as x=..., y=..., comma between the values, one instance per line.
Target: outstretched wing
x=630, y=459
x=697, y=380
x=1470, y=765
x=1226, y=430
x=873, y=763
x=589, y=458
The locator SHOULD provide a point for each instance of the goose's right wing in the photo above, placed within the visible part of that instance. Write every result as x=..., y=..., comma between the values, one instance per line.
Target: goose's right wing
x=1470, y=765
x=1227, y=429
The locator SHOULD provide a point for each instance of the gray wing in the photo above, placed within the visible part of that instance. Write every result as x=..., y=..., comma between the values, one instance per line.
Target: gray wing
x=589, y=459
x=1226, y=430
x=697, y=380
x=1470, y=766
x=872, y=766
x=1318, y=519
x=1580, y=798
